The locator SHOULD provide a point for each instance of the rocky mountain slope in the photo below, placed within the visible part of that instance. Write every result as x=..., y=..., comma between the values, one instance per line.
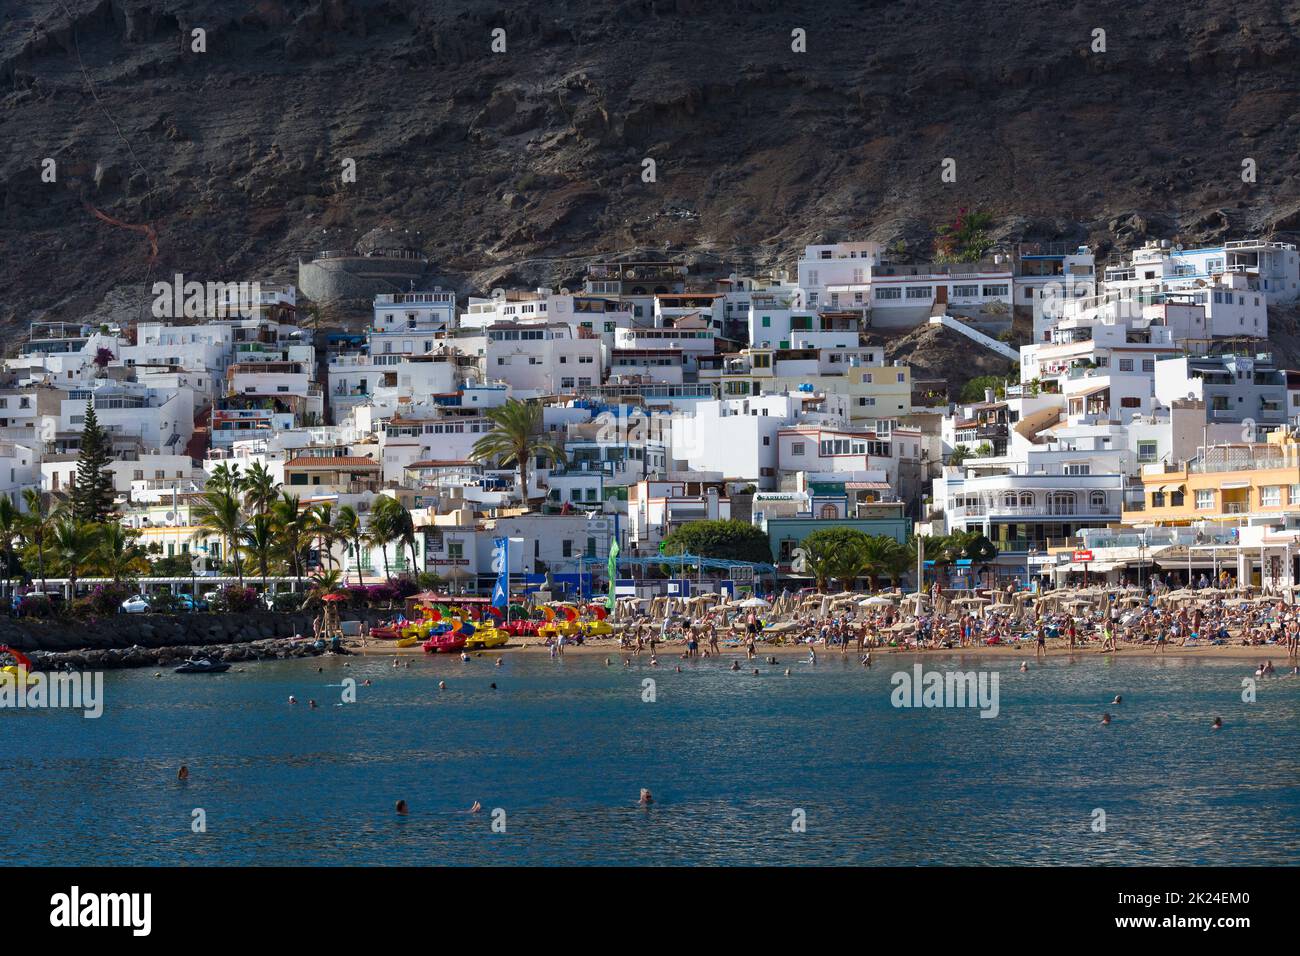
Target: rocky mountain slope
x=514, y=167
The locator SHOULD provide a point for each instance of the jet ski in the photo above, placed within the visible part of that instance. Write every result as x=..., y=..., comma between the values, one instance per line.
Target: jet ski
x=202, y=665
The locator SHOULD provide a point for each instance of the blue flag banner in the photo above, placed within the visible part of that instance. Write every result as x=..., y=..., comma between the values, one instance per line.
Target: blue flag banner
x=501, y=565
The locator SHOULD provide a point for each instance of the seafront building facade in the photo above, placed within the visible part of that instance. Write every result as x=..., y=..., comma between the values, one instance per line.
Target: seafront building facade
x=1144, y=406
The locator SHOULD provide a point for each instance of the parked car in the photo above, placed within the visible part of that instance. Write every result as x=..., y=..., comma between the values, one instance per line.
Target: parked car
x=135, y=604
x=187, y=603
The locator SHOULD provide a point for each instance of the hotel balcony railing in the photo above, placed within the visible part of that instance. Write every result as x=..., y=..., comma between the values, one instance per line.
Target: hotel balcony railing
x=1040, y=512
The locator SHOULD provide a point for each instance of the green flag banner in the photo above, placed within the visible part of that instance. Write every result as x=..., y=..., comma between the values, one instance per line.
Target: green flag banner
x=613, y=573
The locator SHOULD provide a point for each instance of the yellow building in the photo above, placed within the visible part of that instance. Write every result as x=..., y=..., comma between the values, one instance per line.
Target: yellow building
x=1233, y=484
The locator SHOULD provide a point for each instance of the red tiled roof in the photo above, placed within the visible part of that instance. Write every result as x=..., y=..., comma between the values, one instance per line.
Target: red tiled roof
x=320, y=461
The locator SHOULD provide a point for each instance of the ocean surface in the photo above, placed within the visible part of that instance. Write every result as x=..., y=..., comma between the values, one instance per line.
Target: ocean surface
x=563, y=748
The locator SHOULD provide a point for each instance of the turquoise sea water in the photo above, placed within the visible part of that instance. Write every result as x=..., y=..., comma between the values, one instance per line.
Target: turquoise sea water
x=564, y=748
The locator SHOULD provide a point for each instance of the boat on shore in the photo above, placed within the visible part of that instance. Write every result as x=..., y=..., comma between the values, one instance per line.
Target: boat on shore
x=202, y=665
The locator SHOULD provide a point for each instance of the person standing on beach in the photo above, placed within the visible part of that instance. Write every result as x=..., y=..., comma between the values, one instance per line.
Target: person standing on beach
x=1041, y=649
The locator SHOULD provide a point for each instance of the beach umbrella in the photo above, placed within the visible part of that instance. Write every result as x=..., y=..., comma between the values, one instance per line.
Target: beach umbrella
x=754, y=602
x=878, y=601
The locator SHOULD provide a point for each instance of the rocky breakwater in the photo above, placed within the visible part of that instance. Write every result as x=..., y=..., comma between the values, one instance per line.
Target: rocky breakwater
x=157, y=639
x=276, y=648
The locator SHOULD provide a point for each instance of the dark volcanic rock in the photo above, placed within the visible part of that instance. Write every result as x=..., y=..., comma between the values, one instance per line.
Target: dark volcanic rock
x=522, y=163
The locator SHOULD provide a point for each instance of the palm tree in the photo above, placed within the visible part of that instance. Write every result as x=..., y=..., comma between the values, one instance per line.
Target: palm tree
x=896, y=560
x=225, y=478
x=11, y=523
x=292, y=532
x=117, y=555
x=36, y=527
x=398, y=519
x=260, y=489
x=348, y=526
x=259, y=544
x=322, y=525
x=326, y=582
x=75, y=543
x=516, y=438
x=382, y=530
x=218, y=513
x=875, y=556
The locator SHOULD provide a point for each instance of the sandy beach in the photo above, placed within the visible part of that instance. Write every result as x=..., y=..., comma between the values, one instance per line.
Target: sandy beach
x=1025, y=651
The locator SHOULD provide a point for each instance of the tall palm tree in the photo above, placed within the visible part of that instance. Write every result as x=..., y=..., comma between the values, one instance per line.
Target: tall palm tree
x=259, y=544
x=399, y=519
x=382, y=530
x=322, y=525
x=348, y=526
x=292, y=530
x=75, y=544
x=36, y=527
x=516, y=438
x=11, y=524
x=218, y=513
x=117, y=555
x=260, y=489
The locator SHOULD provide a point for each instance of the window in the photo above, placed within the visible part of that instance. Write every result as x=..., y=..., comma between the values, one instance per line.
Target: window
x=796, y=448
x=1147, y=450
x=1294, y=495
x=455, y=550
x=965, y=291
x=1126, y=365
x=888, y=294
x=1060, y=503
x=1130, y=401
x=1204, y=499
x=1097, y=500
x=1078, y=469
x=920, y=291
x=994, y=290
x=1270, y=496
x=1148, y=365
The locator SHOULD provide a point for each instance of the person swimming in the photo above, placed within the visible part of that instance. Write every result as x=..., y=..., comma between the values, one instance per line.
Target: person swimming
x=312, y=704
x=442, y=685
x=476, y=807
x=646, y=798
x=1118, y=699
x=735, y=665
x=1024, y=667
x=787, y=672
x=401, y=808
x=1218, y=724
x=183, y=773
x=1105, y=719
x=292, y=699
